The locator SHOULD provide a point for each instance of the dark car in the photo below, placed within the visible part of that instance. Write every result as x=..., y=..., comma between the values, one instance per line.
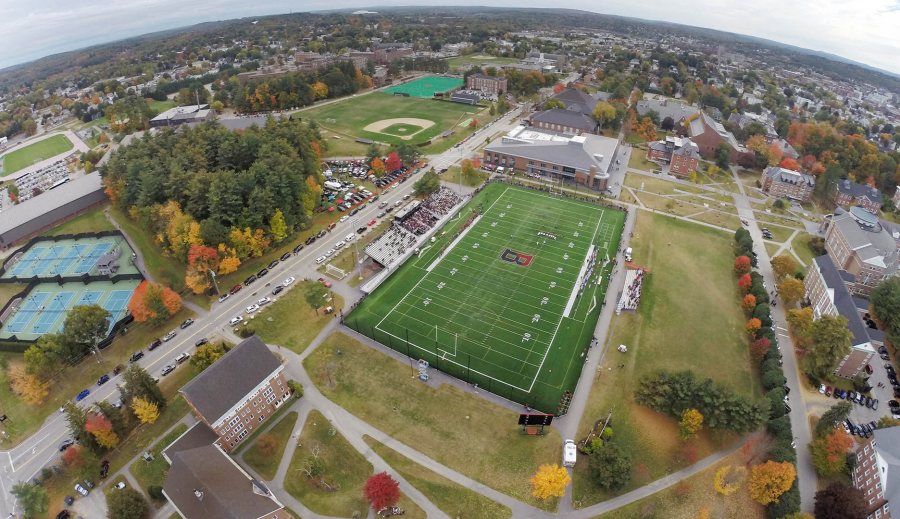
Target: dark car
x=308, y=241
x=104, y=469
x=285, y=256
x=186, y=323
x=103, y=380
x=65, y=444
x=277, y=290
x=235, y=289
x=297, y=249
x=868, y=402
x=201, y=342
x=81, y=396
x=250, y=279
x=273, y=264
x=361, y=230
x=118, y=369
x=389, y=209
x=262, y=273
x=331, y=226
x=155, y=344
x=68, y=500
x=893, y=403
x=353, y=212
x=64, y=514
x=136, y=356
x=321, y=234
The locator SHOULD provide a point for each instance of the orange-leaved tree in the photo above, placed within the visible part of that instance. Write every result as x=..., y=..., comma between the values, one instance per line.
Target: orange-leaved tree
x=101, y=429
x=829, y=453
x=749, y=302
x=745, y=282
x=201, y=259
x=153, y=303
x=769, y=480
x=30, y=388
x=393, y=162
x=549, y=481
x=741, y=265
x=753, y=326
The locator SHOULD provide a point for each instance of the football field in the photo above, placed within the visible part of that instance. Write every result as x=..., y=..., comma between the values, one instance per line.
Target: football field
x=511, y=302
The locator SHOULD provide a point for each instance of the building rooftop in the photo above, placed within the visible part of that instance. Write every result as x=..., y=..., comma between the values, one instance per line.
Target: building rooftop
x=789, y=176
x=579, y=152
x=566, y=117
x=200, y=435
x=859, y=191
x=866, y=237
x=183, y=112
x=203, y=482
x=665, y=108
x=231, y=378
x=887, y=445
x=37, y=206
x=842, y=299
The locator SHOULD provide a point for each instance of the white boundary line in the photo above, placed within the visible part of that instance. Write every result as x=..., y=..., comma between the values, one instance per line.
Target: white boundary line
x=453, y=244
x=584, y=265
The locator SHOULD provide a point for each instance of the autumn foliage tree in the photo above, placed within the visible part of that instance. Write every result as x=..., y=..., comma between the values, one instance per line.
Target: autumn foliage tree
x=201, y=259
x=784, y=265
x=759, y=348
x=393, y=162
x=789, y=163
x=741, y=265
x=791, y=290
x=31, y=389
x=745, y=282
x=381, y=491
x=690, y=424
x=749, y=302
x=549, y=481
x=145, y=410
x=753, y=325
x=769, y=480
x=829, y=453
x=378, y=167
x=74, y=456
x=153, y=303
x=101, y=429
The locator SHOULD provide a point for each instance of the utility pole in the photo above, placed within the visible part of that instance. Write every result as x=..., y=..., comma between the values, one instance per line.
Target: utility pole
x=215, y=283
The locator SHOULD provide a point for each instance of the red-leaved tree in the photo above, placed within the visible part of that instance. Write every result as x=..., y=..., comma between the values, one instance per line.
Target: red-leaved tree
x=759, y=348
x=382, y=490
x=789, y=163
x=741, y=265
x=745, y=283
x=393, y=162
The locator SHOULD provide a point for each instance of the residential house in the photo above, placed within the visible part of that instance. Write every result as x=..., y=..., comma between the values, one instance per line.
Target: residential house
x=680, y=154
x=665, y=107
x=827, y=293
x=583, y=159
x=708, y=134
x=877, y=471
x=579, y=101
x=785, y=183
x=238, y=392
x=565, y=121
x=487, y=84
x=852, y=194
x=863, y=246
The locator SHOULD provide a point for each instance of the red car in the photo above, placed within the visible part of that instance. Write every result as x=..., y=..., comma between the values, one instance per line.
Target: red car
x=235, y=289
x=325, y=282
x=372, y=222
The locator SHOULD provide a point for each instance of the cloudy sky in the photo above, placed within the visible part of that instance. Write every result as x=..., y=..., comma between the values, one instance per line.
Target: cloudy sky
x=862, y=30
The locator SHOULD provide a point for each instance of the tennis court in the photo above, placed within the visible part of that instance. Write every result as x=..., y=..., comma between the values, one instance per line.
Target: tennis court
x=68, y=258
x=44, y=308
x=426, y=86
x=511, y=303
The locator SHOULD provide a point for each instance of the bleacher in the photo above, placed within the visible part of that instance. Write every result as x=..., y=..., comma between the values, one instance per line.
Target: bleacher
x=390, y=246
x=631, y=295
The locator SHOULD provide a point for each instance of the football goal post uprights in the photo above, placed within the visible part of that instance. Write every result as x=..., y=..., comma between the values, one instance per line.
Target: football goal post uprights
x=335, y=271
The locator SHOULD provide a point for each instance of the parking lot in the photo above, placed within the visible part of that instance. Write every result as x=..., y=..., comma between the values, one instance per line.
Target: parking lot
x=867, y=411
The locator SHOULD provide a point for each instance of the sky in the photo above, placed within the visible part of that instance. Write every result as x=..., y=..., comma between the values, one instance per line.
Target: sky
x=861, y=30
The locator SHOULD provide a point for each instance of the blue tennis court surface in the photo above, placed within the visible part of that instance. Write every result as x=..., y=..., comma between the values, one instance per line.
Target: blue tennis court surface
x=69, y=258
x=44, y=309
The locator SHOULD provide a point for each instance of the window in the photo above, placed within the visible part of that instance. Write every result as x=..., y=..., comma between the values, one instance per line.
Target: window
x=269, y=399
x=269, y=391
x=243, y=435
x=262, y=417
x=233, y=421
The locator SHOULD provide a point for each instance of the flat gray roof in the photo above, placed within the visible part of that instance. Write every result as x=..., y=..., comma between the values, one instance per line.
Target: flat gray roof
x=35, y=207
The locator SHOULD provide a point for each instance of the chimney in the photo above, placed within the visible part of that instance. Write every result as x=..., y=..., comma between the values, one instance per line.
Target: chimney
x=198, y=494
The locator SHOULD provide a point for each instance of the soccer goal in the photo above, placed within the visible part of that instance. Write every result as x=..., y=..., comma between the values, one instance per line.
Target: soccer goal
x=335, y=272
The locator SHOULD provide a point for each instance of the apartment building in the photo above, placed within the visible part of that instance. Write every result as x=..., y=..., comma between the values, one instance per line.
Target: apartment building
x=851, y=194
x=785, y=183
x=877, y=471
x=682, y=155
x=862, y=246
x=487, y=84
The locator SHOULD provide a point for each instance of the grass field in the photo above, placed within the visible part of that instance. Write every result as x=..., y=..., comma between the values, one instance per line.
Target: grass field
x=154, y=473
x=267, y=464
x=401, y=129
x=507, y=308
x=454, y=176
x=350, y=116
x=452, y=498
x=28, y=155
x=278, y=323
x=90, y=221
x=426, y=86
x=456, y=428
x=689, y=318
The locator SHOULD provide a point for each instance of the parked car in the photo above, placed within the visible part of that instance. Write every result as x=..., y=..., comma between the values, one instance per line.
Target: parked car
x=120, y=485
x=288, y=281
x=80, y=489
x=284, y=256
x=372, y=222
x=252, y=308
x=297, y=249
x=169, y=336
x=102, y=380
x=277, y=290
x=325, y=282
x=201, y=342
x=321, y=233
x=263, y=301
x=308, y=241
x=262, y=273
x=155, y=344
x=224, y=296
x=186, y=323
x=104, y=469
x=118, y=369
x=182, y=357
x=250, y=279
x=827, y=390
x=168, y=368
x=273, y=264
x=69, y=501
x=822, y=388
x=235, y=320
x=361, y=230
x=136, y=356
x=65, y=444
x=235, y=289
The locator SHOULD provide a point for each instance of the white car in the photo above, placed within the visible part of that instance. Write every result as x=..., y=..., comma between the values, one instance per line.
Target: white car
x=252, y=308
x=235, y=320
x=264, y=301
x=349, y=237
x=320, y=260
x=288, y=281
x=339, y=244
x=329, y=252
x=224, y=297
x=344, y=218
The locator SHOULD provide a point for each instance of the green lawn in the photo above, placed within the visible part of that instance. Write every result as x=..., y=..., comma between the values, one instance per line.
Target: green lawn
x=452, y=498
x=658, y=185
x=689, y=319
x=532, y=350
x=291, y=322
x=91, y=221
x=454, y=176
x=7, y=290
x=161, y=106
x=41, y=150
x=263, y=462
x=638, y=160
x=350, y=116
x=800, y=244
x=464, y=63
x=344, y=471
x=340, y=145
x=154, y=473
x=164, y=269
x=453, y=427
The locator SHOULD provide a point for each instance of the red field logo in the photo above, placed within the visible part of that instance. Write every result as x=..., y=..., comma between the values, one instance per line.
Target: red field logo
x=519, y=258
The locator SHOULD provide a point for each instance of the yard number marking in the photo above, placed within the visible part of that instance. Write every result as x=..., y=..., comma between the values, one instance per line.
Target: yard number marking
x=453, y=271
x=441, y=285
x=571, y=245
x=465, y=258
x=559, y=270
x=526, y=337
x=580, y=224
x=565, y=256
x=553, y=284
x=484, y=235
x=544, y=301
x=427, y=301
x=536, y=318
x=502, y=215
x=493, y=224
x=509, y=206
x=576, y=234
x=474, y=245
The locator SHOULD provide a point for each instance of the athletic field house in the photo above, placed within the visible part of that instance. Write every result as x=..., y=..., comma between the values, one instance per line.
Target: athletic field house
x=61, y=272
x=505, y=296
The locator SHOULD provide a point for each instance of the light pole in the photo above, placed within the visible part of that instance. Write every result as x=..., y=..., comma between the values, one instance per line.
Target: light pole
x=215, y=283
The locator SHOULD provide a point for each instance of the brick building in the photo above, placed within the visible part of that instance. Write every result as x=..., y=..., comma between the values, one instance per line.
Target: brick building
x=565, y=120
x=708, y=134
x=487, y=84
x=583, y=159
x=238, y=392
x=877, y=471
x=786, y=183
x=681, y=155
x=863, y=247
x=851, y=194
x=827, y=293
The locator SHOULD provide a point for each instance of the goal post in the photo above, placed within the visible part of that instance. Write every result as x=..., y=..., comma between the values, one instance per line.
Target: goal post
x=335, y=272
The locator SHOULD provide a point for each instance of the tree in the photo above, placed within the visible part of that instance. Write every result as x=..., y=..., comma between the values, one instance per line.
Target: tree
x=801, y=322
x=155, y=303
x=393, y=162
x=32, y=498
x=886, y=306
x=278, y=227
x=85, y=326
x=40, y=359
x=690, y=424
x=377, y=166
x=723, y=155
x=749, y=302
x=549, y=481
x=137, y=383
x=791, y=290
x=382, y=491
x=771, y=479
x=144, y=410
x=745, y=282
x=610, y=466
x=753, y=326
x=759, y=348
x=831, y=342
x=206, y=355
x=832, y=418
x=840, y=501
x=428, y=184
x=667, y=124
x=408, y=153
x=741, y=265
x=552, y=103
x=605, y=114
x=784, y=265
x=126, y=503
x=266, y=444
x=74, y=456
x=829, y=452
x=31, y=389
x=101, y=428
x=315, y=296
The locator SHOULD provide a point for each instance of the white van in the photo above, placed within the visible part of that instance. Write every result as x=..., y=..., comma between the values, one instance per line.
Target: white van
x=628, y=254
x=320, y=260
x=569, y=452
x=349, y=237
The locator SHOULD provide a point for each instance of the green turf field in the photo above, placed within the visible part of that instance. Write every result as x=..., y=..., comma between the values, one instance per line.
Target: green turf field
x=41, y=150
x=426, y=86
x=503, y=307
x=350, y=116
